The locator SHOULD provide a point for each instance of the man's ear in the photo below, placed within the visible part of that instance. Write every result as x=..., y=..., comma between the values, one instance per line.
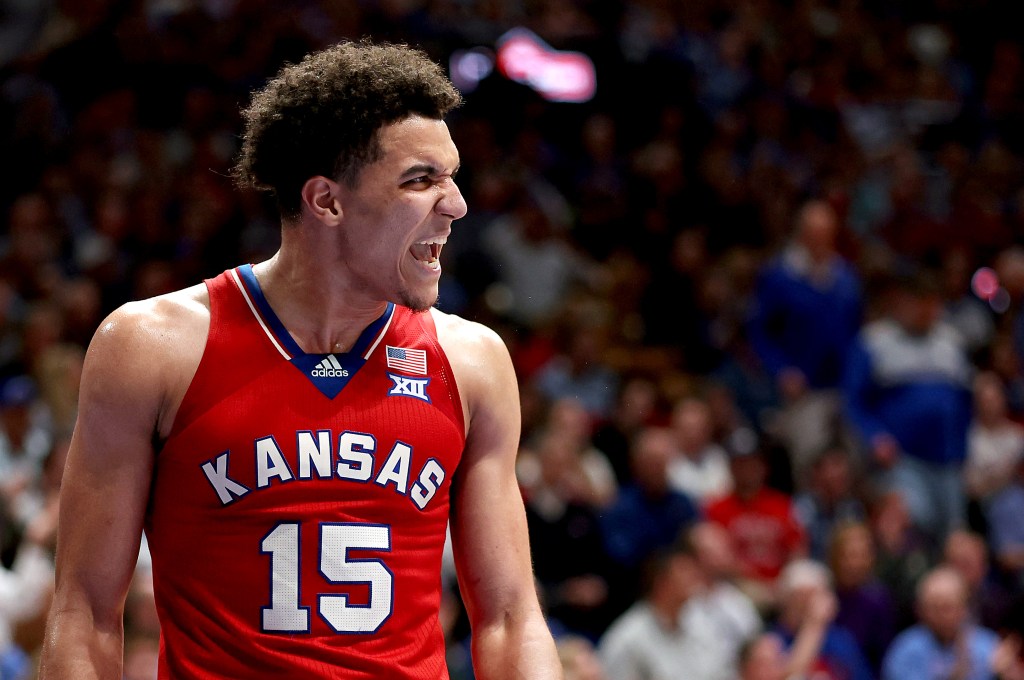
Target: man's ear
x=320, y=196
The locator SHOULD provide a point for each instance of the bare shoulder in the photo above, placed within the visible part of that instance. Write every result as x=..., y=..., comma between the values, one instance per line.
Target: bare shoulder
x=156, y=325
x=149, y=349
x=483, y=369
x=468, y=343
x=477, y=354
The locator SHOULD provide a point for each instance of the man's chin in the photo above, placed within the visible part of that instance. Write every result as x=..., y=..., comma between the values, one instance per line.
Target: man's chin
x=417, y=303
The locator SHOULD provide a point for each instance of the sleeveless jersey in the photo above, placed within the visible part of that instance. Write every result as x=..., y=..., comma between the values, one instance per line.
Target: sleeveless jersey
x=299, y=506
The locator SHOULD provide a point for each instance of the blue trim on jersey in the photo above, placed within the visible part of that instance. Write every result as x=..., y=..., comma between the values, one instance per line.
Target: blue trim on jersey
x=284, y=338
x=344, y=365
x=372, y=331
x=365, y=339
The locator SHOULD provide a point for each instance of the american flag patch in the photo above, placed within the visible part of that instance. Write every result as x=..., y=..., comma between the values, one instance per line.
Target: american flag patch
x=408, y=360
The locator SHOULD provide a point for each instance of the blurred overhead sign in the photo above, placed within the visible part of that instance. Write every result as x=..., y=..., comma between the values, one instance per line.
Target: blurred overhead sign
x=524, y=58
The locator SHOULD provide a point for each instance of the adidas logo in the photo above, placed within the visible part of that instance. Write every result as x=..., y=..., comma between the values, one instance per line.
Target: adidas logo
x=329, y=368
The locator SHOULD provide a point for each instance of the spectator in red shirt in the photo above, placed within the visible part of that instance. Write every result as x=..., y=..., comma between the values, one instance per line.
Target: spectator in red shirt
x=761, y=522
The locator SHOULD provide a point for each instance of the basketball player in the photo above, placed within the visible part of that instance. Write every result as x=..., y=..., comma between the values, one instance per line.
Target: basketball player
x=292, y=435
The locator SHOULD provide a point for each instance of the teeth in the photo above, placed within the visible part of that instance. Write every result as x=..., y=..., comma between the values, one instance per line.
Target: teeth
x=439, y=241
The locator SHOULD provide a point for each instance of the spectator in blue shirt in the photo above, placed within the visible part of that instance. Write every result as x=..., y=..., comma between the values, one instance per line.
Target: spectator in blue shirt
x=648, y=514
x=908, y=392
x=945, y=644
x=806, y=313
x=1003, y=514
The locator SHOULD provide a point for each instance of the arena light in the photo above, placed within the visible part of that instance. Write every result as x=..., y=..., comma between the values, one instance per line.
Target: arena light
x=558, y=76
x=985, y=284
x=469, y=67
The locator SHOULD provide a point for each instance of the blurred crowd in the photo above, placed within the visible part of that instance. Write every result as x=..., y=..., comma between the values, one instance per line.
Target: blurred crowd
x=763, y=293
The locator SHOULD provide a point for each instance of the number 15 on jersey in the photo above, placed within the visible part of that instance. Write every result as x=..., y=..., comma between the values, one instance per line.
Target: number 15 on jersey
x=285, y=615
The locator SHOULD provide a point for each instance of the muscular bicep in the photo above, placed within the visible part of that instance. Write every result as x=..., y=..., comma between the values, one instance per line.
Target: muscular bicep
x=106, y=480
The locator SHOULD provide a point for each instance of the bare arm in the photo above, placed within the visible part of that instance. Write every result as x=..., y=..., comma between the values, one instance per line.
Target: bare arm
x=105, y=489
x=811, y=635
x=492, y=552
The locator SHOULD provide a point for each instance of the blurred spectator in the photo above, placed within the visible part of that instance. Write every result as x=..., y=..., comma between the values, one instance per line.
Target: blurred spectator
x=829, y=500
x=568, y=556
x=1006, y=530
x=971, y=317
x=579, y=659
x=763, y=658
x=648, y=514
x=579, y=372
x=28, y=253
x=635, y=408
x=995, y=443
x=25, y=589
x=653, y=640
x=987, y=600
x=700, y=468
x=1008, y=659
x=11, y=310
x=866, y=607
x=599, y=183
x=904, y=553
x=673, y=293
x=586, y=476
x=59, y=373
x=805, y=592
x=945, y=644
x=907, y=389
x=761, y=522
x=728, y=422
x=807, y=282
x=720, y=604
x=535, y=262
x=1006, y=364
x=25, y=443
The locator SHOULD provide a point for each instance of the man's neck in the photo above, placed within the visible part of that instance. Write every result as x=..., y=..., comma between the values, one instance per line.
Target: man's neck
x=322, y=311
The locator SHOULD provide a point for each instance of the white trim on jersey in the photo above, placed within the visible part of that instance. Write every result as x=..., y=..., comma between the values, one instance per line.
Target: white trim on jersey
x=380, y=337
x=252, y=308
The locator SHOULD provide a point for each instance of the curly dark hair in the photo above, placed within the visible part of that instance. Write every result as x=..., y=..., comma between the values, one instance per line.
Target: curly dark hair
x=322, y=116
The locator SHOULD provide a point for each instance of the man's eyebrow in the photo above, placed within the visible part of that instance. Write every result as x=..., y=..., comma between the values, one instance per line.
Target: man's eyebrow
x=426, y=169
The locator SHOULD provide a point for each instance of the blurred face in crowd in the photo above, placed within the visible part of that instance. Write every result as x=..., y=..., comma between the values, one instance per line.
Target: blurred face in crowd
x=765, y=659
x=748, y=472
x=817, y=228
x=570, y=418
x=853, y=556
x=989, y=398
x=799, y=584
x=966, y=553
x=557, y=457
x=651, y=453
x=832, y=476
x=714, y=548
x=637, y=403
x=918, y=312
x=691, y=420
x=682, y=578
x=942, y=603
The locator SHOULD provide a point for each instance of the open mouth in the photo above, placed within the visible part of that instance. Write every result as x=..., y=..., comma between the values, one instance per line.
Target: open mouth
x=428, y=252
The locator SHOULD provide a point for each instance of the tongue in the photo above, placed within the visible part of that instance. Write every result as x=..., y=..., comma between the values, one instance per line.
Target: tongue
x=421, y=252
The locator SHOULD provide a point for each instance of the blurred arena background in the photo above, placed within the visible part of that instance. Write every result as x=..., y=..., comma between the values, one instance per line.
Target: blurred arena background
x=758, y=263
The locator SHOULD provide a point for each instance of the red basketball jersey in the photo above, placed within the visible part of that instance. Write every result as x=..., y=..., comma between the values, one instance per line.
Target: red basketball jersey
x=299, y=505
